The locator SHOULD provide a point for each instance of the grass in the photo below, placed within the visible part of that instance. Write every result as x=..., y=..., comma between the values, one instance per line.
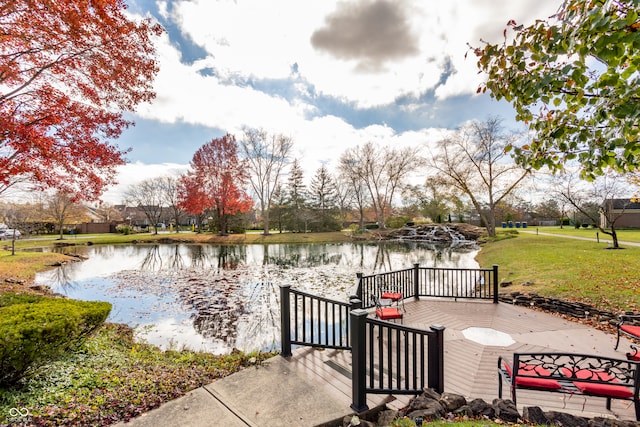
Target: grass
x=624, y=235
x=112, y=378
x=247, y=238
x=568, y=269
x=23, y=266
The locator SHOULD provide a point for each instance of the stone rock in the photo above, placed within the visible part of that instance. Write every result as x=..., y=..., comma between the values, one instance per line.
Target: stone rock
x=424, y=401
x=435, y=412
x=480, y=408
x=464, y=411
x=507, y=411
x=432, y=393
x=564, y=419
x=451, y=402
x=385, y=418
x=535, y=415
x=355, y=421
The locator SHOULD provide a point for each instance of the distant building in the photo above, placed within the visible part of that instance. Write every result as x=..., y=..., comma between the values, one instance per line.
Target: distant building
x=624, y=213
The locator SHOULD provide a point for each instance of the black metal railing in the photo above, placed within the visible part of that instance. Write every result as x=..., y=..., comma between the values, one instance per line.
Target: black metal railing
x=313, y=321
x=473, y=283
x=393, y=359
x=386, y=357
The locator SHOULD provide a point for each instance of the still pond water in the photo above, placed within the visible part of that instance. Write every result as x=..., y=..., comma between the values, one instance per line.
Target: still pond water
x=216, y=298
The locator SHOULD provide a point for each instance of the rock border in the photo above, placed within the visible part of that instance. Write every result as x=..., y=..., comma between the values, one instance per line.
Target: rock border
x=432, y=406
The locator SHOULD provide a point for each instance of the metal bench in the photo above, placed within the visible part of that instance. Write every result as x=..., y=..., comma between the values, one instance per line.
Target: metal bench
x=578, y=374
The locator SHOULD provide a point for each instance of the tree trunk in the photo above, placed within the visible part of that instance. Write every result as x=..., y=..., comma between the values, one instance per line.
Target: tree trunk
x=614, y=238
x=265, y=221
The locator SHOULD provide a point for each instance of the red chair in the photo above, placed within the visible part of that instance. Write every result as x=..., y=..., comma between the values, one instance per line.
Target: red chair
x=628, y=326
x=389, y=291
x=386, y=313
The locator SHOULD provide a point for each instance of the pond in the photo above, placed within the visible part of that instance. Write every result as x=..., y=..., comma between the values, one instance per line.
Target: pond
x=215, y=298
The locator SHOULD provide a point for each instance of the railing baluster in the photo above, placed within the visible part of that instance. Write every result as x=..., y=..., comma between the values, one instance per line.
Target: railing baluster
x=398, y=364
x=372, y=331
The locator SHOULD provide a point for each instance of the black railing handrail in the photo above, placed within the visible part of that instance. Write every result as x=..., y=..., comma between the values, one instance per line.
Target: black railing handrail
x=369, y=285
x=338, y=330
x=416, y=376
x=359, y=327
x=319, y=298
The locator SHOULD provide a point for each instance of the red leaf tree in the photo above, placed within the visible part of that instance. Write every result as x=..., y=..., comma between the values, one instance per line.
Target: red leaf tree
x=192, y=197
x=218, y=178
x=68, y=71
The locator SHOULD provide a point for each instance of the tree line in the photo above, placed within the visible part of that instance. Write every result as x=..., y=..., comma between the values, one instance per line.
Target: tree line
x=70, y=72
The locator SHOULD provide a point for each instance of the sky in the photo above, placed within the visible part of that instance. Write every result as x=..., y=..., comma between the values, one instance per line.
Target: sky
x=329, y=74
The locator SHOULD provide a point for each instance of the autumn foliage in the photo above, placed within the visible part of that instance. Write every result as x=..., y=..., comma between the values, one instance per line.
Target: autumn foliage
x=215, y=182
x=68, y=71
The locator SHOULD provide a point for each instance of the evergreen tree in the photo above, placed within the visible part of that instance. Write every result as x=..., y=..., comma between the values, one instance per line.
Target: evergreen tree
x=296, y=197
x=323, y=199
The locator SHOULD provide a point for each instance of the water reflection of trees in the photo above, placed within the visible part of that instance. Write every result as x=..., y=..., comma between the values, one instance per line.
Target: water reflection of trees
x=262, y=302
x=176, y=261
x=235, y=306
x=152, y=260
x=302, y=255
x=62, y=276
x=215, y=308
x=231, y=256
x=198, y=256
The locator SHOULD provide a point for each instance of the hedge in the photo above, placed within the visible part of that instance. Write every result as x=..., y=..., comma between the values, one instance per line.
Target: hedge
x=34, y=331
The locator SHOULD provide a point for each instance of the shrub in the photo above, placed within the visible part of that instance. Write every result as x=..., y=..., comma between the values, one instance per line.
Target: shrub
x=124, y=229
x=8, y=299
x=396, y=221
x=34, y=332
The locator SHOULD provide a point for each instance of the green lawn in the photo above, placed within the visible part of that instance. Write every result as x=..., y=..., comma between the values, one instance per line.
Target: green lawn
x=626, y=235
x=569, y=269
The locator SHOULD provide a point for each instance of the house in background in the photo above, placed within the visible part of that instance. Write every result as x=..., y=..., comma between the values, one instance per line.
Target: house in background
x=622, y=212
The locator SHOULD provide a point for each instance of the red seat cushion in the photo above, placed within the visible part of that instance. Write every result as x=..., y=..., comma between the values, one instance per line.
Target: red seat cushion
x=531, y=379
x=599, y=389
x=391, y=295
x=631, y=329
x=385, y=313
x=634, y=356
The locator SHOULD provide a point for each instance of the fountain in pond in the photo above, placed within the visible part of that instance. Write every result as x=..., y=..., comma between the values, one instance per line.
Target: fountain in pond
x=455, y=234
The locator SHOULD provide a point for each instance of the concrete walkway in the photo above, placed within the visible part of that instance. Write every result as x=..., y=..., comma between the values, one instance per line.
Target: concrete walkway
x=271, y=395
x=605, y=239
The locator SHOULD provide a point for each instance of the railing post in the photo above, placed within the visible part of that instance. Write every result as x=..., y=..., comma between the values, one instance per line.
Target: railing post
x=355, y=303
x=435, y=374
x=285, y=320
x=359, y=360
x=495, y=283
x=416, y=281
x=359, y=287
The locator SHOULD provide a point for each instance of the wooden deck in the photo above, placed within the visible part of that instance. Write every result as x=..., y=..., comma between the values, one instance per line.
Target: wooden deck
x=470, y=366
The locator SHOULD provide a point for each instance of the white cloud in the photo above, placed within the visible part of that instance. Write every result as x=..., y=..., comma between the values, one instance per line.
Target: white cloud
x=256, y=40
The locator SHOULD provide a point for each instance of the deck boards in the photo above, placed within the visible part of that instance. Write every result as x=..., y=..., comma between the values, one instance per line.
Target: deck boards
x=471, y=367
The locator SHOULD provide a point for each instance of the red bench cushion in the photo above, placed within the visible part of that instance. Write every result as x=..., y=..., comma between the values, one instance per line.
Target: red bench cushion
x=631, y=329
x=599, y=389
x=531, y=376
x=385, y=313
x=634, y=356
x=391, y=295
